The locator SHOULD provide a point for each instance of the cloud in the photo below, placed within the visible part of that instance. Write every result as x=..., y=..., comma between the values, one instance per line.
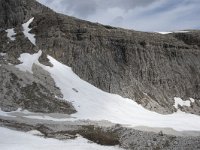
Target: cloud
x=143, y=15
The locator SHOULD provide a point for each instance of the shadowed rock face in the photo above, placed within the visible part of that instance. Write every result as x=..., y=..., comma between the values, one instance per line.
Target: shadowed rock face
x=15, y=12
x=148, y=67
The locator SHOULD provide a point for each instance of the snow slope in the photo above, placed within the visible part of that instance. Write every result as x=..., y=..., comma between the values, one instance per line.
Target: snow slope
x=14, y=140
x=95, y=104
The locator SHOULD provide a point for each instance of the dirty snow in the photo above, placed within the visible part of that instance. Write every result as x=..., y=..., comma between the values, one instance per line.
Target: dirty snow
x=15, y=140
x=26, y=31
x=11, y=34
x=95, y=104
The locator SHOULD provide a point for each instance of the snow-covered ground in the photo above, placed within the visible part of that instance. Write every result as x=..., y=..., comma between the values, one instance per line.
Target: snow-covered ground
x=95, y=104
x=26, y=31
x=14, y=140
x=11, y=34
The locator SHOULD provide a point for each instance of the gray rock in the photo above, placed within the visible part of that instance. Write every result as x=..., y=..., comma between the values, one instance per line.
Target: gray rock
x=149, y=68
x=36, y=93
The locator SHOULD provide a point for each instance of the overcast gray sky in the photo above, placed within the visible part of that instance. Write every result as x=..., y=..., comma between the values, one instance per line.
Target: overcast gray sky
x=143, y=15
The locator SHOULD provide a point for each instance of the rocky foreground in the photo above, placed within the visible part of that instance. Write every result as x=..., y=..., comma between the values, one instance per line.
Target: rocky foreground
x=106, y=133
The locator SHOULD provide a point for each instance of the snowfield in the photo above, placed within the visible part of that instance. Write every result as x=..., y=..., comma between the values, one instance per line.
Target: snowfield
x=95, y=104
x=15, y=140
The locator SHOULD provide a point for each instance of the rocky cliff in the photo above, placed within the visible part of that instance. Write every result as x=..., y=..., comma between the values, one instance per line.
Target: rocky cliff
x=149, y=68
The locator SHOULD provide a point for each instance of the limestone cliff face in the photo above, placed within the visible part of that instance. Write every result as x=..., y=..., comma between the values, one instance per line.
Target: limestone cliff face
x=148, y=67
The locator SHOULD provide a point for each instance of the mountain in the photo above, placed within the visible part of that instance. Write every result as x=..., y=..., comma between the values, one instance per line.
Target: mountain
x=56, y=68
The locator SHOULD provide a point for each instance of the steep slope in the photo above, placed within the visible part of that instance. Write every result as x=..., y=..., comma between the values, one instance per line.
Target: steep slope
x=149, y=68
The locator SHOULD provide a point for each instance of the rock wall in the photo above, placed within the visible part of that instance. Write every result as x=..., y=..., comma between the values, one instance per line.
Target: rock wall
x=148, y=67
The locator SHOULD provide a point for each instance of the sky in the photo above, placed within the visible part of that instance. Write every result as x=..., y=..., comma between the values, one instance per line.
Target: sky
x=141, y=15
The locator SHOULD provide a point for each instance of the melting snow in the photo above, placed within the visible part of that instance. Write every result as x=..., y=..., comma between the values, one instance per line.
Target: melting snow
x=10, y=34
x=26, y=28
x=15, y=140
x=95, y=104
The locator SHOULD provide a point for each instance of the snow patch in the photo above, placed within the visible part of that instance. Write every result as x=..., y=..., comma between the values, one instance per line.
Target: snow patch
x=172, y=32
x=94, y=104
x=28, y=60
x=2, y=54
x=164, y=32
x=192, y=100
x=26, y=31
x=15, y=140
x=35, y=132
x=181, y=31
x=10, y=34
x=178, y=101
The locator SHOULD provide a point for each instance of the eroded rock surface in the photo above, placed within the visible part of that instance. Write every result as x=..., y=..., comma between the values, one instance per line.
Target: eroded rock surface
x=150, y=68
